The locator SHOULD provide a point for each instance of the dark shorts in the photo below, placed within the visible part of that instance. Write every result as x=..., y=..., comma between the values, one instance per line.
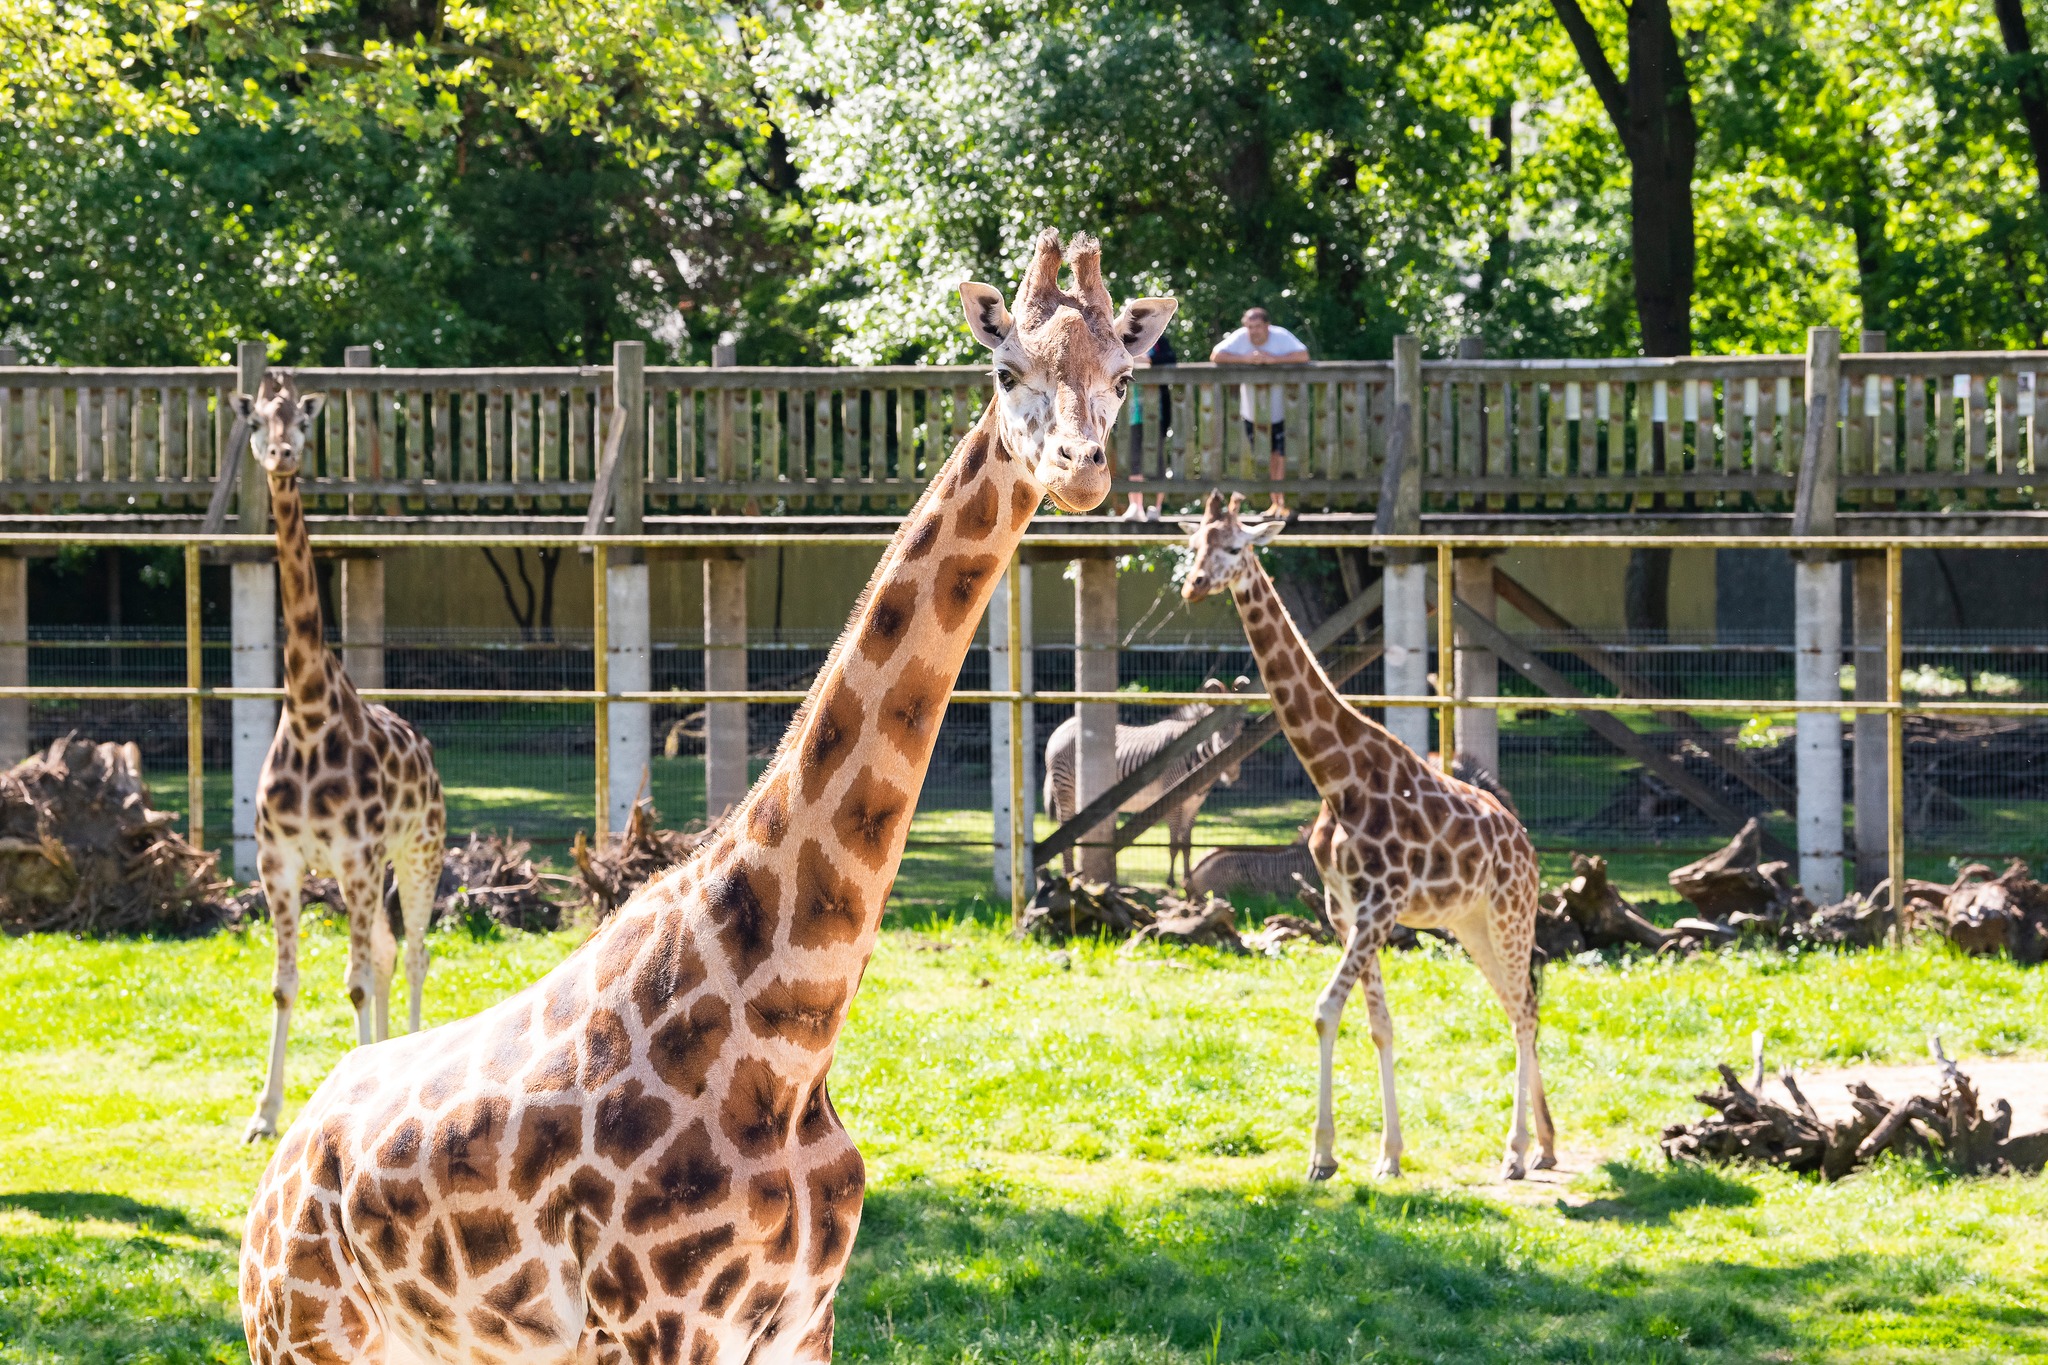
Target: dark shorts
x=1279, y=436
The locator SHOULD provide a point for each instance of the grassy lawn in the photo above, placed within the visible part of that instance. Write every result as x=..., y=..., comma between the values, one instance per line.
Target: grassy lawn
x=1098, y=1158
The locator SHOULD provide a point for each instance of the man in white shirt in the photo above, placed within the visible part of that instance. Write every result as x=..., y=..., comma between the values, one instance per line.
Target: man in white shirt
x=1259, y=342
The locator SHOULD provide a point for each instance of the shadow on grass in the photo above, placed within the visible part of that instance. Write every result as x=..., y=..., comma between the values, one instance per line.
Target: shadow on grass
x=77, y=1206
x=957, y=1271
x=1651, y=1194
x=81, y=1294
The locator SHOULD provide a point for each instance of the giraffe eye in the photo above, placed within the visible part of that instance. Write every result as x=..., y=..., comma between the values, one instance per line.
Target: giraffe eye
x=1123, y=386
x=1008, y=379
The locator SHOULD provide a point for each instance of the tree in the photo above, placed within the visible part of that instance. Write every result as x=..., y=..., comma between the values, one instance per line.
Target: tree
x=1651, y=109
x=1237, y=154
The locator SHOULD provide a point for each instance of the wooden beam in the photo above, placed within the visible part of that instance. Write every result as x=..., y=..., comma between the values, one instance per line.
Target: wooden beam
x=1334, y=626
x=1608, y=726
x=1587, y=651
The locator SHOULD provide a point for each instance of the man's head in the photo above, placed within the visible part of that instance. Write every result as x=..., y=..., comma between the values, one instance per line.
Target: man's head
x=1220, y=546
x=280, y=422
x=1063, y=365
x=1257, y=325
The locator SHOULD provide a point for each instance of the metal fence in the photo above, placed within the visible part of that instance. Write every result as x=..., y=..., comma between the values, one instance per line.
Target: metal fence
x=1903, y=432
x=520, y=724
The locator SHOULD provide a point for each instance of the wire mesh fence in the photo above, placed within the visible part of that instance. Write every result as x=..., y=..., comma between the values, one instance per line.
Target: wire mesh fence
x=1976, y=786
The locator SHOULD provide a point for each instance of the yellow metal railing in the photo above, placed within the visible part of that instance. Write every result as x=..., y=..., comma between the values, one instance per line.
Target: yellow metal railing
x=1016, y=695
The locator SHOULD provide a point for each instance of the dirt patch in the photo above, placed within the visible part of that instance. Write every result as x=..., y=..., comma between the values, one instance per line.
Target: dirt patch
x=2022, y=1084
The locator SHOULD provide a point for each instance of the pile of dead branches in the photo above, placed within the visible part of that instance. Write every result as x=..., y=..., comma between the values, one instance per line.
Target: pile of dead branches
x=1985, y=915
x=1069, y=907
x=492, y=877
x=614, y=869
x=81, y=852
x=1948, y=1127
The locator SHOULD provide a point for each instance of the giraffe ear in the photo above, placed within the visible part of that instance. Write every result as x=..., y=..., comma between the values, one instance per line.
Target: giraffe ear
x=245, y=407
x=1265, y=532
x=990, y=322
x=1141, y=322
x=310, y=405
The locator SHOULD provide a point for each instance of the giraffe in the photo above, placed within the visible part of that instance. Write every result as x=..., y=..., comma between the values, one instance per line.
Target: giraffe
x=635, y=1158
x=347, y=786
x=1396, y=841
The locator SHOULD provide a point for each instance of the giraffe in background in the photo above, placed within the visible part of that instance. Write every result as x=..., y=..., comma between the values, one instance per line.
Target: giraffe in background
x=635, y=1158
x=1396, y=840
x=347, y=786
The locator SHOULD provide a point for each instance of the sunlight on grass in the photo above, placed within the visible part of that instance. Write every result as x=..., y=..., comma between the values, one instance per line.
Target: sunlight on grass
x=1097, y=1157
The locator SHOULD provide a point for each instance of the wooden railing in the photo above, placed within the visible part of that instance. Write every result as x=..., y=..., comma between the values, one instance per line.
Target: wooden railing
x=1911, y=432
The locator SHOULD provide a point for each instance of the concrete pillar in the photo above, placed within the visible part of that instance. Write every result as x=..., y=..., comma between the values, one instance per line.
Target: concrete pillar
x=1478, y=669
x=1095, y=656
x=1817, y=637
x=14, y=740
x=1872, y=775
x=725, y=670
x=253, y=612
x=253, y=621
x=631, y=660
x=1405, y=610
x=999, y=793
x=360, y=588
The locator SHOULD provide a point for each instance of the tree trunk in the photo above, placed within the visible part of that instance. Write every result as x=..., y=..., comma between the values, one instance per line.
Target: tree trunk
x=2031, y=87
x=1653, y=116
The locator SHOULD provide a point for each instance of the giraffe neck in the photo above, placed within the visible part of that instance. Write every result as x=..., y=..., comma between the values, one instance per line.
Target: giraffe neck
x=313, y=680
x=1312, y=712
x=788, y=900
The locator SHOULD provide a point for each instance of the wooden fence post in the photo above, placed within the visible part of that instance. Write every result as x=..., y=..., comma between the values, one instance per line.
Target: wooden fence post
x=1868, y=607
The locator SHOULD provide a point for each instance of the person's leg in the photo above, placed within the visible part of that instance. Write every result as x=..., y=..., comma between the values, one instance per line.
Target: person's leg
x=1276, y=469
x=1134, y=510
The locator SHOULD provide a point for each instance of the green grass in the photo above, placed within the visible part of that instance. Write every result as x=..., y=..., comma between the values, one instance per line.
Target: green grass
x=1096, y=1157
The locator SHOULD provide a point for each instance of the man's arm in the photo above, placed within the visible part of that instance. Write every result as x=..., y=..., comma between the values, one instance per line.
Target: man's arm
x=1297, y=356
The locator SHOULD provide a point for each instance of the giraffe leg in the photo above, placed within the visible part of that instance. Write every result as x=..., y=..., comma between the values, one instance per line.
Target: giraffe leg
x=281, y=874
x=1508, y=973
x=418, y=872
x=1381, y=1022
x=372, y=952
x=1329, y=1013
x=1180, y=839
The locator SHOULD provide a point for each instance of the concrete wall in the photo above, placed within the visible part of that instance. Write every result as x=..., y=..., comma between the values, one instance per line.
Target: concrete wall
x=1585, y=586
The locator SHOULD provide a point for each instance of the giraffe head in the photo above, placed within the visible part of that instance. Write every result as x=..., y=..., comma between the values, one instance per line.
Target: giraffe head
x=280, y=422
x=1220, y=546
x=1063, y=364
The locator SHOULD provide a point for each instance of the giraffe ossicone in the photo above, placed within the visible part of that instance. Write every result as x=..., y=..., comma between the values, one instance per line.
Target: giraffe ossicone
x=1396, y=841
x=635, y=1158
x=347, y=787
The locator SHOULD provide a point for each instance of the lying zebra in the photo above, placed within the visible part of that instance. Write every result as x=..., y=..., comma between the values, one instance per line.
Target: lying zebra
x=1136, y=744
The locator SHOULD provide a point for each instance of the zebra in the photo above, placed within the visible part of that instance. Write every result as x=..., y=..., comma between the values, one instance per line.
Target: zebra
x=1136, y=744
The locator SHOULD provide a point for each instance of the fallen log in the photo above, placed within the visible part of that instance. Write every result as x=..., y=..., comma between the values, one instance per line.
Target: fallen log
x=1603, y=916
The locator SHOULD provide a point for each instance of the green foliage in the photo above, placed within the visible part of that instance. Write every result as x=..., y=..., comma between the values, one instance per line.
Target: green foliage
x=528, y=182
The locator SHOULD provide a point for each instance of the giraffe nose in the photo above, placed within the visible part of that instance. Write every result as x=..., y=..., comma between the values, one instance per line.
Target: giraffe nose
x=1082, y=453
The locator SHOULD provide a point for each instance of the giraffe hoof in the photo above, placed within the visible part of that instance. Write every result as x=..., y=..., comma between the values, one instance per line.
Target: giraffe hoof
x=261, y=1126
x=1512, y=1169
x=1389, y=1168
x=1546, y=1161
x=1322, y=1168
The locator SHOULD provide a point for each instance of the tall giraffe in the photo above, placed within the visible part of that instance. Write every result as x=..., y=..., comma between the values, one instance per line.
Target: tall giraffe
x=1396, y=841
x=635, y=1157
x=347, y=786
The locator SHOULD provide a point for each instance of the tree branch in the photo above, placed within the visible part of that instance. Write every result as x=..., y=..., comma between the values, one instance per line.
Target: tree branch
x=1594, y=58
x=2033, y=97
